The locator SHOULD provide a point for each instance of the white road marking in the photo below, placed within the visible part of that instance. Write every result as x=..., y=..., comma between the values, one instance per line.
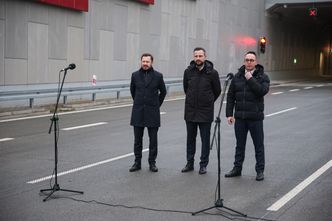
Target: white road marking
x=280, y=112
x=296, y=190
x=6, y=139
x=84, y=167
x=275, y=93
x=84, y=126
x=65, y=113
x=79, y=111
x=293, y=90
x=320, y=85
x=117, y=158
x=306, y=88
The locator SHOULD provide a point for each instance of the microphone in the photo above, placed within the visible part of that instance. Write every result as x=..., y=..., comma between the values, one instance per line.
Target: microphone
x=229, y=76
x=70, y=66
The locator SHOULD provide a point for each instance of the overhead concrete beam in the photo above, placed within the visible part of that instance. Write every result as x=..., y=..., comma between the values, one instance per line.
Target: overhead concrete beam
x=272, y=3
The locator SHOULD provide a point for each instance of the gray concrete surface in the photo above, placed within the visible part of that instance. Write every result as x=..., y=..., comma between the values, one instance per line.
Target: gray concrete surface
x=298, y=142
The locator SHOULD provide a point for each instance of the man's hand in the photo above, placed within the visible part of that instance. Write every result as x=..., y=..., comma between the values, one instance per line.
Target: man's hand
x=230, y=120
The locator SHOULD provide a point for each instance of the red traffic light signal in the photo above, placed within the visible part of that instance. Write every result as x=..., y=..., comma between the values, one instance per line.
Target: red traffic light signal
x=262, y=44
x=312, y=12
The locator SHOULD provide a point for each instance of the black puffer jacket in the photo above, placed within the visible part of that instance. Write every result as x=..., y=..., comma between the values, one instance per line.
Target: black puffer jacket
x=247, y=96
x=202, y=88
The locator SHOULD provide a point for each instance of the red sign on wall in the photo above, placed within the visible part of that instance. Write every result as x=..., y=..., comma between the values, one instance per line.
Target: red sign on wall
x=80, y=5
x=147, y=1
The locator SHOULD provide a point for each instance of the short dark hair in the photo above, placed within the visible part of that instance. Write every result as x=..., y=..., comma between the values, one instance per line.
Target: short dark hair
x=251, y=52
x=147, y=55
x=199, y=49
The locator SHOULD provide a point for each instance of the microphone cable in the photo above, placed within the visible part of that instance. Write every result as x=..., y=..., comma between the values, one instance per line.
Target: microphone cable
x=230, y=216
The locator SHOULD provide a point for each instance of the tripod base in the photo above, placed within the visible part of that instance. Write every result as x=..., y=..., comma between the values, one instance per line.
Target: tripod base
x=56, y=188
x=219, y=204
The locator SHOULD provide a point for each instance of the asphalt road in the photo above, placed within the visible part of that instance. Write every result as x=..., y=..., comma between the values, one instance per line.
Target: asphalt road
x=95, y=159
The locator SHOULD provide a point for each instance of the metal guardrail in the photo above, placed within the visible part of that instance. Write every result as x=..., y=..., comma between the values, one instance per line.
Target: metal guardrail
x=32, y=94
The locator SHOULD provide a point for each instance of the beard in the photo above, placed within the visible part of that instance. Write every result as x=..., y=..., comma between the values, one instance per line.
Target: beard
x=199, y=63
x=145, y=67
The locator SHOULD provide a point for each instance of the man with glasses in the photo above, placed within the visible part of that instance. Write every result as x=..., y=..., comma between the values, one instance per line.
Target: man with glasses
x=246, y=99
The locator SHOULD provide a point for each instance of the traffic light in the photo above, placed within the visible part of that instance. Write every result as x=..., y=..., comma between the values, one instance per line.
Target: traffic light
x=262, y=44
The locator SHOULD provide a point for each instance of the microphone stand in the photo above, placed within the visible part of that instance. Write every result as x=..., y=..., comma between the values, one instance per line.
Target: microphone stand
x=54, y=122
x=219, y=202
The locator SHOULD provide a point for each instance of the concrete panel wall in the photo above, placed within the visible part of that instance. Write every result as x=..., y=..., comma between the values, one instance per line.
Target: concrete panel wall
x=2, y=52
x=16, y=29
x=37, y=40
x=37, y=53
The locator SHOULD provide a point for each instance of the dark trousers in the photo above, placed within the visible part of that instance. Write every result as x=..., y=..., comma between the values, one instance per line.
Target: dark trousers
x=204, y=129
x=138, y=144
x=257, y=134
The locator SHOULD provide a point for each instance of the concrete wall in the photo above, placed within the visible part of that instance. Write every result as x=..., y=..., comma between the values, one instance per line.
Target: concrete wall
x=38, y=40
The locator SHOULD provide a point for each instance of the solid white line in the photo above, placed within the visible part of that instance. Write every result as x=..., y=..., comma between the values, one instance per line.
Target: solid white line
x=280, y=112
x=275, y=93
x=6, y=139
x=84, y=167
x=293, y=90
x=84, y=126
x=79, y=111
x=306, y=88
x=65, y=113
x=296, y=190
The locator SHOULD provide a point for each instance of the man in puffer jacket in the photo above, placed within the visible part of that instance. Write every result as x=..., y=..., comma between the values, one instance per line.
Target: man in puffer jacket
x=246, y=98
x=201, y=85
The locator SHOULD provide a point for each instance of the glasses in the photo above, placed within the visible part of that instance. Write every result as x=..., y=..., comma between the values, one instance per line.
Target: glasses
x=249, y=60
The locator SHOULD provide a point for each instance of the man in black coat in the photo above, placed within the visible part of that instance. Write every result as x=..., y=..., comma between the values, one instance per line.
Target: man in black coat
x=201, y=85
x=246, y=95
x=148, y=91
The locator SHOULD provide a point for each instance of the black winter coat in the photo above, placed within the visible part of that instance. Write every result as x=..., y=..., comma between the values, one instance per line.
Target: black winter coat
x=148, y=95
x=247, y=96
x=202, y=88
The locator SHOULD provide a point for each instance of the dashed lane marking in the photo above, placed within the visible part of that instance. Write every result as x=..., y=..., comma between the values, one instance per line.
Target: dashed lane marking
x=84, y=167
x=6, y=139
x=79, y=111
x=280, y=112
x=275, y=93
x=84, y=126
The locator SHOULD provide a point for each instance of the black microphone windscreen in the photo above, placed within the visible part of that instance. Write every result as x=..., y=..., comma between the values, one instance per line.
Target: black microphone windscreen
x=72, y=66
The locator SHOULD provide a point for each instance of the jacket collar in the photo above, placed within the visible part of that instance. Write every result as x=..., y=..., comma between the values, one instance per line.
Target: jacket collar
x=259, y=69
x=208, y=66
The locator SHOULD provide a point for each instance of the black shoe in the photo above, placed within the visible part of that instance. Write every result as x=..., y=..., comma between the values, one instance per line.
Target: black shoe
x=153, y=168
x=234, y=172
x=187, y=168
x=135, y=167
x=202, y=170
x=260, y=176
